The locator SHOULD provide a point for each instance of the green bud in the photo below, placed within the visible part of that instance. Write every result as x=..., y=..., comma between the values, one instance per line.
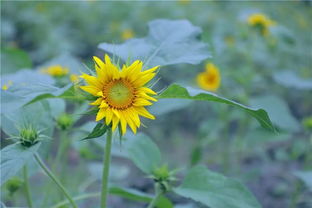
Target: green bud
x=307, y=123
x=29, y=136
x=163, y=177
x=162, y=173
x=64, y=121
x=13, y=185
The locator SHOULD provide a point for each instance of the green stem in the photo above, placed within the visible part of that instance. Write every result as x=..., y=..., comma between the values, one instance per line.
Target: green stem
x=55, y=180
x=64, y=143
x=77, y=198
x=106, y=164
x=27, y=190
x=156, y=198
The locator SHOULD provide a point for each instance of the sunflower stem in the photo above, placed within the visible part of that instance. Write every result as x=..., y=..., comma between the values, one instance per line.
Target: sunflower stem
x=106, y=164
x=55, y=180
x=27, y=190
x=158, y=193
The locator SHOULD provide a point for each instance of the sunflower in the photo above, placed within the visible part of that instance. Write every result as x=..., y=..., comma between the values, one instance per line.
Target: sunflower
x=55, y=71
x=210, y=79
x=121, y=94
x=260, y=21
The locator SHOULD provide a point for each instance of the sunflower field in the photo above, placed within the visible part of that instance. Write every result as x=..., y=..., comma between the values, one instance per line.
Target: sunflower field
x=156, y=104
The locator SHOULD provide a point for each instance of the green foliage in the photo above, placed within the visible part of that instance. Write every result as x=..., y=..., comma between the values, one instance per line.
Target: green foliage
x=143, y=152
x=306, y=177
x=14, y=59
x=168, y=42
x=13, y=158
x=139, y=196
x=97, y=131
x=291, y=80
x=278, y=111
x=177, y=91
x=215, y=190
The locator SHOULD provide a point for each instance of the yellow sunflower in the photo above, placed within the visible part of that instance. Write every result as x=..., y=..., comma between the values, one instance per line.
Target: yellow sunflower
x=55, y=71
x=121, y=94
x=261, y=21
x=210, y=79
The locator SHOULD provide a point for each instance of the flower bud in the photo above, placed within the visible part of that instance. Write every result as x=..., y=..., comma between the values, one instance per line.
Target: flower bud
x=64, y=121
x=162, y=176
x=29, y=136
x=13, y=185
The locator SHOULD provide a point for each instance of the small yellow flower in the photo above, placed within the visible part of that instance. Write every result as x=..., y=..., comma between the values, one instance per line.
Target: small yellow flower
x=127, y=34
x=210, y=79
x=121, y=94
x=184, y=2
x=6, y=86
x=55, y=71
x=261, y=21
x=229, y=40
x=74, y=78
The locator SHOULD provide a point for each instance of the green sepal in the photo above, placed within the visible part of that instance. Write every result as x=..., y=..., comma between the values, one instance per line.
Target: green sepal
x=97, y=131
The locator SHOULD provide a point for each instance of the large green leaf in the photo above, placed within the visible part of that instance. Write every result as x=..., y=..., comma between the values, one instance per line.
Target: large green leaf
x=306, y=177
x=168, y=42
x=278, y=111
x=177, y=91
x=215, y=190
x=143, y=152
x=34, y=115
x=164, y=106
x=292, y=80
x=14, y=59
x=13, y=158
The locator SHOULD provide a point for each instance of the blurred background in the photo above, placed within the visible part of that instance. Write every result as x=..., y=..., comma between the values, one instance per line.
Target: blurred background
x=268, y=66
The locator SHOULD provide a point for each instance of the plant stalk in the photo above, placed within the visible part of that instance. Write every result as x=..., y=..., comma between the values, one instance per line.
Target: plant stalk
x=55, y=180
x=106, y=164
x=158, y=194
x=27, y=189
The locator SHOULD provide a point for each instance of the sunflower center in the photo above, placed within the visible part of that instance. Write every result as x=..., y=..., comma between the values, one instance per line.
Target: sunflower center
x=211, y=78
x=119, y=94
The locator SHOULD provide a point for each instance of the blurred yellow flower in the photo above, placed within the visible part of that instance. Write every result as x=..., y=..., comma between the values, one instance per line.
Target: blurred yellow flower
x=229, y=40
x=127, y=34
x=74, y=78
x=260, y=21
x=210, y=79
x=122, y=94
x=184, y=2
x=6, y=86
x=55, y=71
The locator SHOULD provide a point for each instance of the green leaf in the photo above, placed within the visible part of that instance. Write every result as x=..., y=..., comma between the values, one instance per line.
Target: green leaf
x=67, y=92
x=13, y=59
x=215, y=190
x=164, y=106
x=168, y=42
x=13, y=158
x=292, y=80
x=278, y=111
x=143, y=152
x=135, y=195
x=306, y=177
x=177, y=91
x=35, y=115
x=97, y=131
x=36, y=87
